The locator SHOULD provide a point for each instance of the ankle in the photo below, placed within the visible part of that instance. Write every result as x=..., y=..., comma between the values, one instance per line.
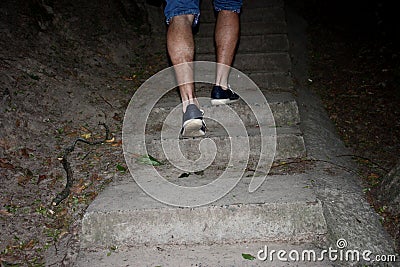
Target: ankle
x=224, y=86
x=188, y=102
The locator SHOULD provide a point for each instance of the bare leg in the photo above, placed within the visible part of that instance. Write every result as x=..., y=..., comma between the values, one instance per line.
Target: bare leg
x=226, y=37
x=181, y=50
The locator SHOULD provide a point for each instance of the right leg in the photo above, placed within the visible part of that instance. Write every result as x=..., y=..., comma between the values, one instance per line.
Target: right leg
x=181, y=51
x=180, y=16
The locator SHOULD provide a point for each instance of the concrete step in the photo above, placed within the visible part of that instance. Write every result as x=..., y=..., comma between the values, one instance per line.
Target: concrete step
x=274, y=14
x=272, y=81
x=200, y=255
x=268, y=62
x=247, y=28
x=289, y=143
x=267, y=81
x=284, y=208
x=283, y=106
x=247, y=44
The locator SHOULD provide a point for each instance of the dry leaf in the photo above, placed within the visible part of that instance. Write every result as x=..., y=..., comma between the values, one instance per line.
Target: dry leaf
x=78, y=187
x=118, y=143
x=110, y=140
x=23, y=179
x=5, y=164
x=41, y=178
x=24, y=152
x=4, y=212
x=86, y=135
x=30, y=244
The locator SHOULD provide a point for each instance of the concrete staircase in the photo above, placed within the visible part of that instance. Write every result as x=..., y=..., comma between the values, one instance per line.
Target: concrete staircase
x=284, y=208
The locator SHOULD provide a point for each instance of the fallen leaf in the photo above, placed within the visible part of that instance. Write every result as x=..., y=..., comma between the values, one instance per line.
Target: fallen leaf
x=95, y=177
x=24, y=152
x=78, y=187
x=30, y=244
x=111, y=140
x=121, y=168
x=118, y=143
x=117, y=117
x=149, y=160
x=41, y=178
x=86, y=135
x=5, y=164
x=373, y=176
x=248, y=257
x=4, y=212
x=62, y=213
x=72, y=134
x=185, y=174
x=91, y=195
x=24, y=179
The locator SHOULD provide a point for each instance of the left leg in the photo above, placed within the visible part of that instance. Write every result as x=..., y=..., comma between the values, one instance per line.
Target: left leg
x=226, y=39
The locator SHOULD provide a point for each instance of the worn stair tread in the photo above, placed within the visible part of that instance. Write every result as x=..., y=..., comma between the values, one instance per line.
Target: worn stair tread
x=276, y=189
x=247, y=44
x=275, y=81
x=219, y=132
x=283, y=208
x=171, y=99
x=268, y=81
x=197, y=255
x=269, y=62
x=247, y=28
x=283, y=106
x=289, y=142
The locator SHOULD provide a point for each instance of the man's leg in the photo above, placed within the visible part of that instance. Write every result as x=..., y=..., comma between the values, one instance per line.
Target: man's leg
x=226, y=38
x=180, y=45
x=181, y=51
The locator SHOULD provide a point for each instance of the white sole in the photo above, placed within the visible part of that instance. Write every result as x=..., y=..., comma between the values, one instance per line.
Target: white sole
x=192, y=128
x=216, y=102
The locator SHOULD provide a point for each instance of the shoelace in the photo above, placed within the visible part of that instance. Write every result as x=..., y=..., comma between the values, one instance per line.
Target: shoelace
x=229, y=87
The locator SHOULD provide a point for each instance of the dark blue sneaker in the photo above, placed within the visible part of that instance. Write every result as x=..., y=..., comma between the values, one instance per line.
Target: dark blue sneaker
x=220, y=96
x=193, y=124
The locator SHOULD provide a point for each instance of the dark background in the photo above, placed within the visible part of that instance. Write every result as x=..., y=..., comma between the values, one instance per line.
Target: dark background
x=52, y=50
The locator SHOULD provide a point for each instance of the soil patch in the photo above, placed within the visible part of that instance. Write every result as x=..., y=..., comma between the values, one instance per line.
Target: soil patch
x=65, y=68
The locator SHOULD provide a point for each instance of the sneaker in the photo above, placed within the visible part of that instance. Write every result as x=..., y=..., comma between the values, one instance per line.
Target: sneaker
x=221, y=97
x=193, y=124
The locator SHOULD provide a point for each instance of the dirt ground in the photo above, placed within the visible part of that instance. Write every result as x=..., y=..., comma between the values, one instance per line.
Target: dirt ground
x=66, y=69
x=60, y=77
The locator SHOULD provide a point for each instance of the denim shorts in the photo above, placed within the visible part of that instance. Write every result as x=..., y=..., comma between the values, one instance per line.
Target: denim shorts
x=185, y=7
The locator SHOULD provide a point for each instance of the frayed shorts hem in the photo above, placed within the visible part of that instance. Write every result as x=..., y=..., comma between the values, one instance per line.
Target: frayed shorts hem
x=194, y=12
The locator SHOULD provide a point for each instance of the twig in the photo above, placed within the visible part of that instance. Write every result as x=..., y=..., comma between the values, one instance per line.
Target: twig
x=338, y=165
x=67, y=166
x=105, y=100
x=367, y=159
x=5, y=59
x=319, y=160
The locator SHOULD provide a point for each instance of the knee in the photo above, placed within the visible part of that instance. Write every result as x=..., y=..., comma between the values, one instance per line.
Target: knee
x=184, y=20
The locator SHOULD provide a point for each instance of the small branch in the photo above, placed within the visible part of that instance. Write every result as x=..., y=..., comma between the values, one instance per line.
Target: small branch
x=105, y=100
x=319, y=160
x=337, y=165
x=366, y=159
x=67, y=166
